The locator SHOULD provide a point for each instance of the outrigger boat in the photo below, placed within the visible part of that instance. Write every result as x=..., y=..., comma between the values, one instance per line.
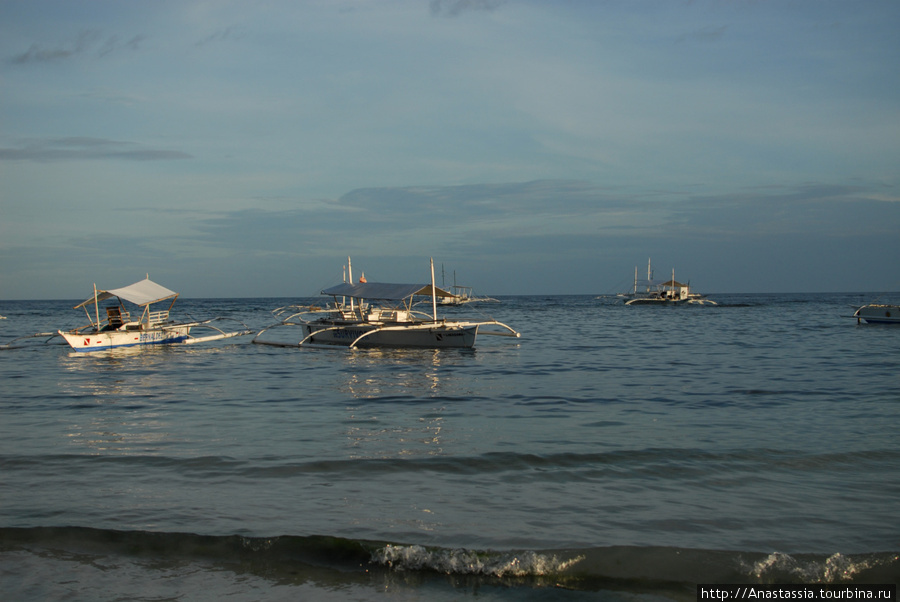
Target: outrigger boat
x=375, y=314
x=119, y=329
x=877, y=313
x=462, y=295
x=670, y=292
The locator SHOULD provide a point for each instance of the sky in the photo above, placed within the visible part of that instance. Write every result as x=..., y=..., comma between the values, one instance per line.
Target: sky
x=247, y=148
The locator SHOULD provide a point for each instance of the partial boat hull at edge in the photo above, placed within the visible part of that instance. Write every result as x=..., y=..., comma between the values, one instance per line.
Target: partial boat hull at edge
x=879, y=314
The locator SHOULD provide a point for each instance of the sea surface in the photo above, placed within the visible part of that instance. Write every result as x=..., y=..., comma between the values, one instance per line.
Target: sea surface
x=611, y=453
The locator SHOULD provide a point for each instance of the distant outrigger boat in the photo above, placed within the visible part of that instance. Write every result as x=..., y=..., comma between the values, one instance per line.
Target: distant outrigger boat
x=119, y=329
x=352, y=321
x=670, y=292
x=462, y=295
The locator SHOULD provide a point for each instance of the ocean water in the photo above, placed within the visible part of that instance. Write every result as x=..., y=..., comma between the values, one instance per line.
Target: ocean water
x=612, y=452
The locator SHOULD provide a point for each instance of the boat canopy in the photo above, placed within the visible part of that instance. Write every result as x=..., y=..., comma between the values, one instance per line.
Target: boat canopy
x=673, y=283
x=140, y=293
x=384, y=291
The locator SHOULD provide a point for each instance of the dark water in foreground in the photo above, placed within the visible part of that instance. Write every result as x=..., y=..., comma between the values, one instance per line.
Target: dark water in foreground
x=611, y=453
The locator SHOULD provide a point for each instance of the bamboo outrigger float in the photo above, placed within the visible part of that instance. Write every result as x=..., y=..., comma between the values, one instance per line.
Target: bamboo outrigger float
x=351, y=320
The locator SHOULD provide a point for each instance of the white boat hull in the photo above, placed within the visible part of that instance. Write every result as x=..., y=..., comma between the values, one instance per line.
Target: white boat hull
x=879, y=314
x=98, y=341
x=371, y=335
x=655, y=301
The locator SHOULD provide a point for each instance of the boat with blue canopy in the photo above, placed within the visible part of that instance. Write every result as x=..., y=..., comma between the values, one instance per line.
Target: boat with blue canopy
x=378, y=314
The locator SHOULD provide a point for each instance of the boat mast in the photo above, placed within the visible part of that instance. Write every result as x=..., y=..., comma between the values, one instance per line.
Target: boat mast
x=96, y=306
x=433, y=294
x=350, y=273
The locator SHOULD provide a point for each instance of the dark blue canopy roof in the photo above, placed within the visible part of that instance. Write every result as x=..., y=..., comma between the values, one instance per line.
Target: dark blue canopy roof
x=383, y=290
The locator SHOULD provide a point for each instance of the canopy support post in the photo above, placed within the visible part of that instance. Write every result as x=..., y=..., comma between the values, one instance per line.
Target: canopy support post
x=96, y=307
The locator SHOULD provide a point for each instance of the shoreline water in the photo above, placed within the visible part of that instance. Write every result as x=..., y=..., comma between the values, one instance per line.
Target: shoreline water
x=621, y=451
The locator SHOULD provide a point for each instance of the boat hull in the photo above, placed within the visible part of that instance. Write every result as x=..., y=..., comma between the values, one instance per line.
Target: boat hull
x=369, y=335
x=99, y=341
x=879, y=314
x=655, y=301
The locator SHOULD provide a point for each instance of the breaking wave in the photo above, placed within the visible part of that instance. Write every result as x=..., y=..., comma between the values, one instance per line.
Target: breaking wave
x=634, y=569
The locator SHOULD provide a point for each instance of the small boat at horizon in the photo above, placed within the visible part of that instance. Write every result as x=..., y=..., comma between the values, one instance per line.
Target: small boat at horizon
x=670, y=292
x=463, y=295
x=377, y=314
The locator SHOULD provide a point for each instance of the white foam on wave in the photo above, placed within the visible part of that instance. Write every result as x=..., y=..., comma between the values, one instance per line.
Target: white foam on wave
x=835, y=568
x=468, y=562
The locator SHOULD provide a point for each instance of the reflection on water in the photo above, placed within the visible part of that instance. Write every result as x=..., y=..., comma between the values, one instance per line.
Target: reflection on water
x=107, y=434
x=412, y=372
x=115, y=396
x=377, y=430
x=113, y=374
x=373, y=436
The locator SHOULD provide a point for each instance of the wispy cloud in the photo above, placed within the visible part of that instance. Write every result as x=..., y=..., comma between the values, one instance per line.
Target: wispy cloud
x=453, y=8
x=221, y=35
x=88, y=42
x=86, y=149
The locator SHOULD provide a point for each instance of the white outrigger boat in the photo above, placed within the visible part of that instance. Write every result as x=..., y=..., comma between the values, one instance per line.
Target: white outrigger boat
x=878, y=313
x=670, y=292
x=353, y=320
x=119, y=329
x=463, y=295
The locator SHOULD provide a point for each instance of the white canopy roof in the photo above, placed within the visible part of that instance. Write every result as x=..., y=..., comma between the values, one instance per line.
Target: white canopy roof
x=140, y=293
x=383, y=290
x=674, y=283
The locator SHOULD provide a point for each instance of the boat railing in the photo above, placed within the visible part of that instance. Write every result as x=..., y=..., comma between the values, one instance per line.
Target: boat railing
x=380, y=314
x=157, y=317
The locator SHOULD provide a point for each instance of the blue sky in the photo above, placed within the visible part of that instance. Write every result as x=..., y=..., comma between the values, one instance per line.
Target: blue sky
x=237, y=148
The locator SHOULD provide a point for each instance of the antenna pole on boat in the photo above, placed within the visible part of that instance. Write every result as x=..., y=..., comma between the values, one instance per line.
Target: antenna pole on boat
x=433, y=294
x=350, y=274
x=96, y=306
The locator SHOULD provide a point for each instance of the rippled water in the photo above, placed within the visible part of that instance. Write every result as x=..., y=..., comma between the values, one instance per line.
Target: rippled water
x=608, y=448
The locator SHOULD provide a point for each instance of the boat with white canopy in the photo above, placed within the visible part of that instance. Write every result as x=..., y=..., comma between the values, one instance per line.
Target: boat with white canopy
x=377, y=314
x=669, y=292
x=463, y=295
x=119, y=325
